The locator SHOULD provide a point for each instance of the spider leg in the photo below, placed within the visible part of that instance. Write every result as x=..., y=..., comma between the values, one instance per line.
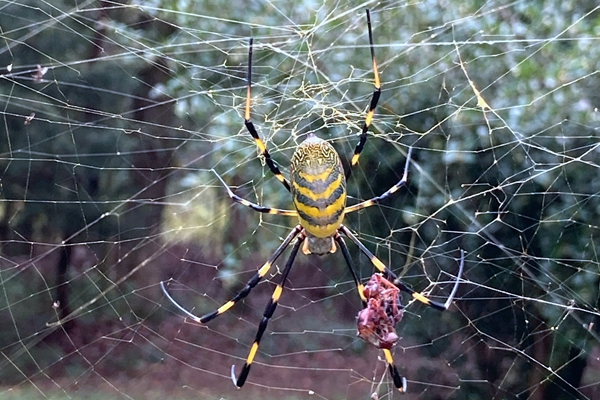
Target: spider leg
x=399, y=380
x=374, y=101
x=269, y=310
x=389, y=275
x=242, y=293
x=420, y=297
x=359, y=286
x=252, y=130
x=255, y=207
x=388, y=193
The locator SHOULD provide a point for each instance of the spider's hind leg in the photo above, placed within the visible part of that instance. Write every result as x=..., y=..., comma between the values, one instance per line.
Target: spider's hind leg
x=262, y=271
x=269, y=310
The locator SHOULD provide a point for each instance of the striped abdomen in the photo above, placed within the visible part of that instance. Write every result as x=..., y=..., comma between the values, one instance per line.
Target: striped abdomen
x=319, y=192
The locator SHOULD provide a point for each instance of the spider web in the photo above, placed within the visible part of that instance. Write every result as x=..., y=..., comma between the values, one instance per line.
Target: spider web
x=118, y=117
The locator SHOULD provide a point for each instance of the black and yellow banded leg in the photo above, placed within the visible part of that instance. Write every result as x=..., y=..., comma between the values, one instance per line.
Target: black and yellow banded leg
x=377, y=263
x=252, y=130
x=389, y=275
x=399, y=380
x=374, y=101
x=359, y=286
x=255, y=207
x=420, y=297
x=262, y=271
x=269, y=310
x=388, y=193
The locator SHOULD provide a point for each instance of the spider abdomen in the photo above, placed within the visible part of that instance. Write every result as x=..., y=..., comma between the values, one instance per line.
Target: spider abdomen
x=319, y=190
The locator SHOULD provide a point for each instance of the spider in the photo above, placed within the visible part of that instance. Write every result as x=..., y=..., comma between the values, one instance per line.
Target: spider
x=318, y=188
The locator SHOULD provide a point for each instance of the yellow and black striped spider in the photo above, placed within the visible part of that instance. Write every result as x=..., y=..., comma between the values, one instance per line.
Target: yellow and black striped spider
x=318, y=187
